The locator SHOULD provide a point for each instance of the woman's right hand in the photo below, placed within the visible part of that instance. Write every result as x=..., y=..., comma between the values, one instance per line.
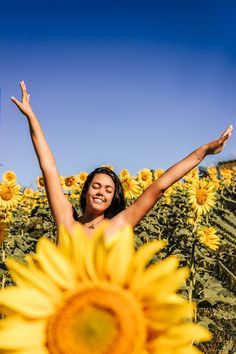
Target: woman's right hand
x=24, y=105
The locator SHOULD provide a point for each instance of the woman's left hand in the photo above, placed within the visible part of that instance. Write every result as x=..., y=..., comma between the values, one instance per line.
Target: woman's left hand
x=217, y=146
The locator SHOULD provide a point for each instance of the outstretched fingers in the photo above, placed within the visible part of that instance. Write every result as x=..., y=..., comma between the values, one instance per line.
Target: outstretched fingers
x=17, y=102
x=25, y=95
x=228, y=132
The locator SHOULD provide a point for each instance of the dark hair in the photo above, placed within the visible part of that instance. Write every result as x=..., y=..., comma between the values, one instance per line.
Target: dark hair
x=118, y=201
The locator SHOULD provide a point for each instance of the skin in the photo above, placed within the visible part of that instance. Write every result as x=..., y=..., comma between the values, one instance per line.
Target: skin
x=102, y=184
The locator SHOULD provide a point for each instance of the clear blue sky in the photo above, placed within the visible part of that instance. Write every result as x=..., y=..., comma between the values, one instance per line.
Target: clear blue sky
x=132, y=83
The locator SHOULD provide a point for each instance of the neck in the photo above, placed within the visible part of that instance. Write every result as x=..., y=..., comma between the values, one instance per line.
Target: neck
x=91, y=218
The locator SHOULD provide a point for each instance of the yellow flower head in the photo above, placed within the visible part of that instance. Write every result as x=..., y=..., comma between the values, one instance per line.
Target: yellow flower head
x=5, y=216
x=9, y=177
x=40, y=182
x=82, y=176
x=202, y=196
x=208, y=237
x=28, y=192
x=131, y=188
x=145, y=177
x=10, y=195
x=69, y=183
x=192, y=176
x=158, y=173
x=97, y=295
x=124, y=174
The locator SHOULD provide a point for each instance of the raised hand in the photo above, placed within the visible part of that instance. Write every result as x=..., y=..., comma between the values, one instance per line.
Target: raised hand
x=24, y=105
x=217, y=145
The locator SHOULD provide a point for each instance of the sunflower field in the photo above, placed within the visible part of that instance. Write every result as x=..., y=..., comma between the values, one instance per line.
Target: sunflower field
x=196, y=217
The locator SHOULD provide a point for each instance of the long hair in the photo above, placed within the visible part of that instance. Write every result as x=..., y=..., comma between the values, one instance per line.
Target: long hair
x=118, y=200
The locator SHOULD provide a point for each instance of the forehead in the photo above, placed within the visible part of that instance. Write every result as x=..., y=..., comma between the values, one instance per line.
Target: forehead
x=103, y=179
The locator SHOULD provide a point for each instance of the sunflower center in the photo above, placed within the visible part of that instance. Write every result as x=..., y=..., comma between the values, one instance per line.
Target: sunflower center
x=126, y=186
x=41, y=182
x=6, y=193
x=201, y=196
x=69, y=181
x=97, y=321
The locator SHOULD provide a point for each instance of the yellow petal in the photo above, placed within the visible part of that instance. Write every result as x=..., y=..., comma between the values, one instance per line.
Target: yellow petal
x=182, y=334
x=64, y=241
x=163, y=286
x=145, y=253
x=79, y=244
x=55, y=264
x=155, y=271
x=120, y=255
x=17, y=334
x=90, y=252
x=24, y=275
x=28, y=302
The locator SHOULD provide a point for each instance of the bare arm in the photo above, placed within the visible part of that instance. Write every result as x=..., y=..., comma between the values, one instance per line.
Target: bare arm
x=135, y=212
x=60, y=207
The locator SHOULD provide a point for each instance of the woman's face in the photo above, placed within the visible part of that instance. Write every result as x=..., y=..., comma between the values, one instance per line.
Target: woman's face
x=100, y=193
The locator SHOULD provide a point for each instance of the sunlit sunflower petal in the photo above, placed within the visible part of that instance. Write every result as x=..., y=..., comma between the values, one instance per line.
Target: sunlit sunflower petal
x=125, y=246
x=79, y=242
x=156, y=271
x=25, y=276
x=64, y=242
x=55, y=264
x=144, y=255
x=30, y=302
x=175, y=335
x=16, y=333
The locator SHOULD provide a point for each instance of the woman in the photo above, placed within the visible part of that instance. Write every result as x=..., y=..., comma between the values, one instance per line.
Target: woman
x=102, y=195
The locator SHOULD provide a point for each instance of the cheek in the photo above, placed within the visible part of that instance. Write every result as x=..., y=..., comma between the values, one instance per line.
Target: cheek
x=110, y=197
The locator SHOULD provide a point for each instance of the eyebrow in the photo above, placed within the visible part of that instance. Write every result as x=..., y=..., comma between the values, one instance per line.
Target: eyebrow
x=108, y=185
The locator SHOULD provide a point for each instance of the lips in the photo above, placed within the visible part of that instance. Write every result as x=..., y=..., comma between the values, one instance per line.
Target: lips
x=98, y=200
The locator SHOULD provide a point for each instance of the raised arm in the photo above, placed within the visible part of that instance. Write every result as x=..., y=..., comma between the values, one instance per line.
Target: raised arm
x=60, y=207
x=135, y=212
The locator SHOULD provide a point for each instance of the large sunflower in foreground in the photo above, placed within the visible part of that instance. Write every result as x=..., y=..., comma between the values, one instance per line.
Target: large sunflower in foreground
x=97, y=296
x=202, y=196
x=10, y=195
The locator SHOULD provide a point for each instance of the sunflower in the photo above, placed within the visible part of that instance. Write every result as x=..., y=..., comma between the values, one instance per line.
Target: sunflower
x=213, y=174
x=9, y=176
x=40, y=182
x=69, y=183
x=10, y=195
x=145, y=177
x=28, y=192
x=208, y=237
x=131, y=188
x=192, y=176
x=73, y=298
x=124, y=174
x=82, y=176
x=5, y=216
x=226, y=174
x=158, y=173
x=4, y=227
x=202, y=196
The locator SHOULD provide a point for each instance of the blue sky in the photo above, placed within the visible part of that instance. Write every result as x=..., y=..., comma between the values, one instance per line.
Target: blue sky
x=138, y=84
